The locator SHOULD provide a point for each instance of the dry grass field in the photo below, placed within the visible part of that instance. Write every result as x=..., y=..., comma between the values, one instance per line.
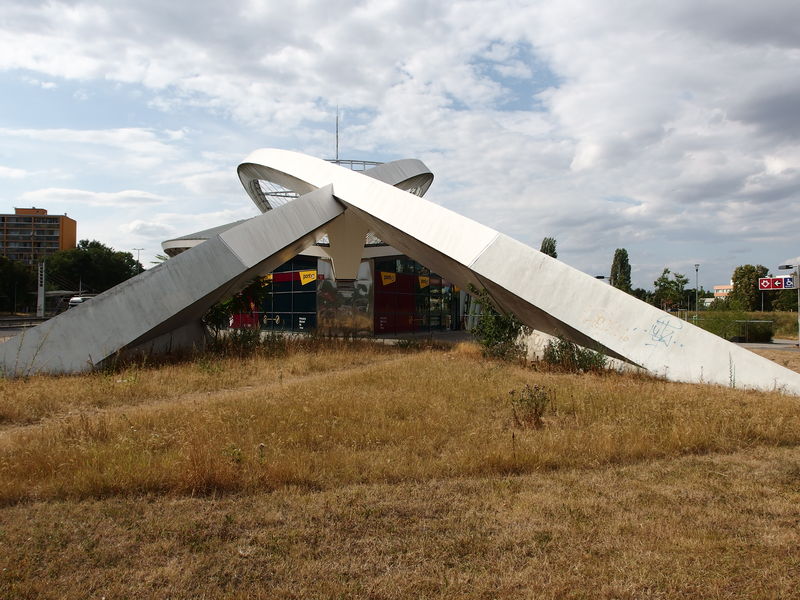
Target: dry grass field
x=377, y=472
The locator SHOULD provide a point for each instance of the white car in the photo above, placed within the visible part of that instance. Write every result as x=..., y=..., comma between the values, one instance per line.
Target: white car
x=75, y=300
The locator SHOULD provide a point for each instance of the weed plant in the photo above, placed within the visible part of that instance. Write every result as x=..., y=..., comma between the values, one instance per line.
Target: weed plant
x=529, y=404
x=565, y=355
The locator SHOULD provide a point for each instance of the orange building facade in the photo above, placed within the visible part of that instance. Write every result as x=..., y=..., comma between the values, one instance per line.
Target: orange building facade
x=30, y=234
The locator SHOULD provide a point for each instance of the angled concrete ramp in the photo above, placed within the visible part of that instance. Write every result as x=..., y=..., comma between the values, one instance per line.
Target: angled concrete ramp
x=544, y=293
x=163, y=305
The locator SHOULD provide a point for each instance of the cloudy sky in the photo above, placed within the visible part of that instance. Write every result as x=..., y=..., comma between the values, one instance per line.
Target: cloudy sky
x=671, y=129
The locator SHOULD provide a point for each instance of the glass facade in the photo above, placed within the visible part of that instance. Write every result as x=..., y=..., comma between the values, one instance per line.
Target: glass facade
x=345, y=310
x=409, y=298
x=390, y=296
x=290, y=298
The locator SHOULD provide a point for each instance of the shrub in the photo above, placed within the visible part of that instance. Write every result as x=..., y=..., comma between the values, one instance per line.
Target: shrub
x=569, y=356
x=238, y=342
x=785, y=323
x=529, y=404
x=498, y=334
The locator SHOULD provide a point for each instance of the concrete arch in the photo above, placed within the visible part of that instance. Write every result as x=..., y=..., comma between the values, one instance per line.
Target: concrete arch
x=543, y=292
x=161, y=307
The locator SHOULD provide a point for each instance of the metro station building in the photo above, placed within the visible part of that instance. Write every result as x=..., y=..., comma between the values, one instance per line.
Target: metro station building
x=392, y=294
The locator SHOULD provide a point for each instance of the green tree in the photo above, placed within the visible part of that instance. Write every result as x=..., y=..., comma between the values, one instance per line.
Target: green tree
x=668, y=291
x=745, y=294
x=784, y=300
x=620, y=276
x=17, y=280
x=93, y=266
x=549, y=247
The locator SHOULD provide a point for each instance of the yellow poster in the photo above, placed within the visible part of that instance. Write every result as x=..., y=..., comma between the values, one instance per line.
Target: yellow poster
x=307, y=277
x=424, y=281
x=388, y=278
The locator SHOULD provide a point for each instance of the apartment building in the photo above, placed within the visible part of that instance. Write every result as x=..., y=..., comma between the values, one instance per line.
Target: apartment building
x=30, y=234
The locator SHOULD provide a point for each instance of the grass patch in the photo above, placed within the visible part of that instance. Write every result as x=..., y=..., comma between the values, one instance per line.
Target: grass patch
x=378, y=472
x=718, y=526
x=422, y=416
x=129, y=383
x=785, y=323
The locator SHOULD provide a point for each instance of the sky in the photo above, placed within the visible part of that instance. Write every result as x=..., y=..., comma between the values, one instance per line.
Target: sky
x=671, y=129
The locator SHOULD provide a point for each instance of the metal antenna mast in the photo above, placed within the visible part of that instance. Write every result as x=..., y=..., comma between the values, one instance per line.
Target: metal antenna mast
x=337, y=132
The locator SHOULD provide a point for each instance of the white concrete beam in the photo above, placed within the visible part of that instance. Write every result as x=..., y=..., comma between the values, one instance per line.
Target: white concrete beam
x=160, y=305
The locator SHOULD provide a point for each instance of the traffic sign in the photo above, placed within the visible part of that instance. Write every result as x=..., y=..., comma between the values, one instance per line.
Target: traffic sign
x=784, y=282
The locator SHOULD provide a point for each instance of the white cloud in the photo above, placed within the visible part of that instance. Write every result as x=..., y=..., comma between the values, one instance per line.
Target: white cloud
x=131, y=138
x=687, y=109
x=12, y=173
x=45, y=85
x=74, y=197
x=150, y=229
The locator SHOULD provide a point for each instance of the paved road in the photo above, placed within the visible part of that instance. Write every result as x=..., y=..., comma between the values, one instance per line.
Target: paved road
x=7, y=332
x=777, y=344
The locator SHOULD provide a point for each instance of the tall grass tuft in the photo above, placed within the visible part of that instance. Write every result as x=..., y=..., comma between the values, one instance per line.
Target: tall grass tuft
x=563, y=354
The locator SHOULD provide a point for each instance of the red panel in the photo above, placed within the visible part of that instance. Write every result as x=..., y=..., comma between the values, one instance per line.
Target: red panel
x=405, y=303
x=384, y=323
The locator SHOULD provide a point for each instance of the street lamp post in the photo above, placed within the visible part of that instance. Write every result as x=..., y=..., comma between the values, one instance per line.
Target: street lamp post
x=696, y=288
x=797, y=287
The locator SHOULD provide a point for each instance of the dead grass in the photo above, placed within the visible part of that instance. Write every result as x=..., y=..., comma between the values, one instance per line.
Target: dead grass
x=30, y=400
x=396, y=475
x=426, y=415
x=786, y=358
x=719, y=526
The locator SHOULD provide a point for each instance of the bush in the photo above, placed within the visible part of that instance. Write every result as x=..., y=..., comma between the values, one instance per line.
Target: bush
x=529, y=404
x=238, y=342
x=498, y=334
x=785, y=323
x=569, y=356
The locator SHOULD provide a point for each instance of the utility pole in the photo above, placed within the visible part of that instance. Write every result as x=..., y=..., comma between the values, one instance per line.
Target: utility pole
x=696, y=288
x=337, y=133
x=138, y=250
x=795, y=277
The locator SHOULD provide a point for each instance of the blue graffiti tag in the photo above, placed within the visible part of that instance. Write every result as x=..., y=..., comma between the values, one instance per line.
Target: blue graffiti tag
x=665, y=332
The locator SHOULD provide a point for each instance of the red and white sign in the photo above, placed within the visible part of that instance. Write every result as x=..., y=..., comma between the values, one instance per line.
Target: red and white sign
x=785, y=282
